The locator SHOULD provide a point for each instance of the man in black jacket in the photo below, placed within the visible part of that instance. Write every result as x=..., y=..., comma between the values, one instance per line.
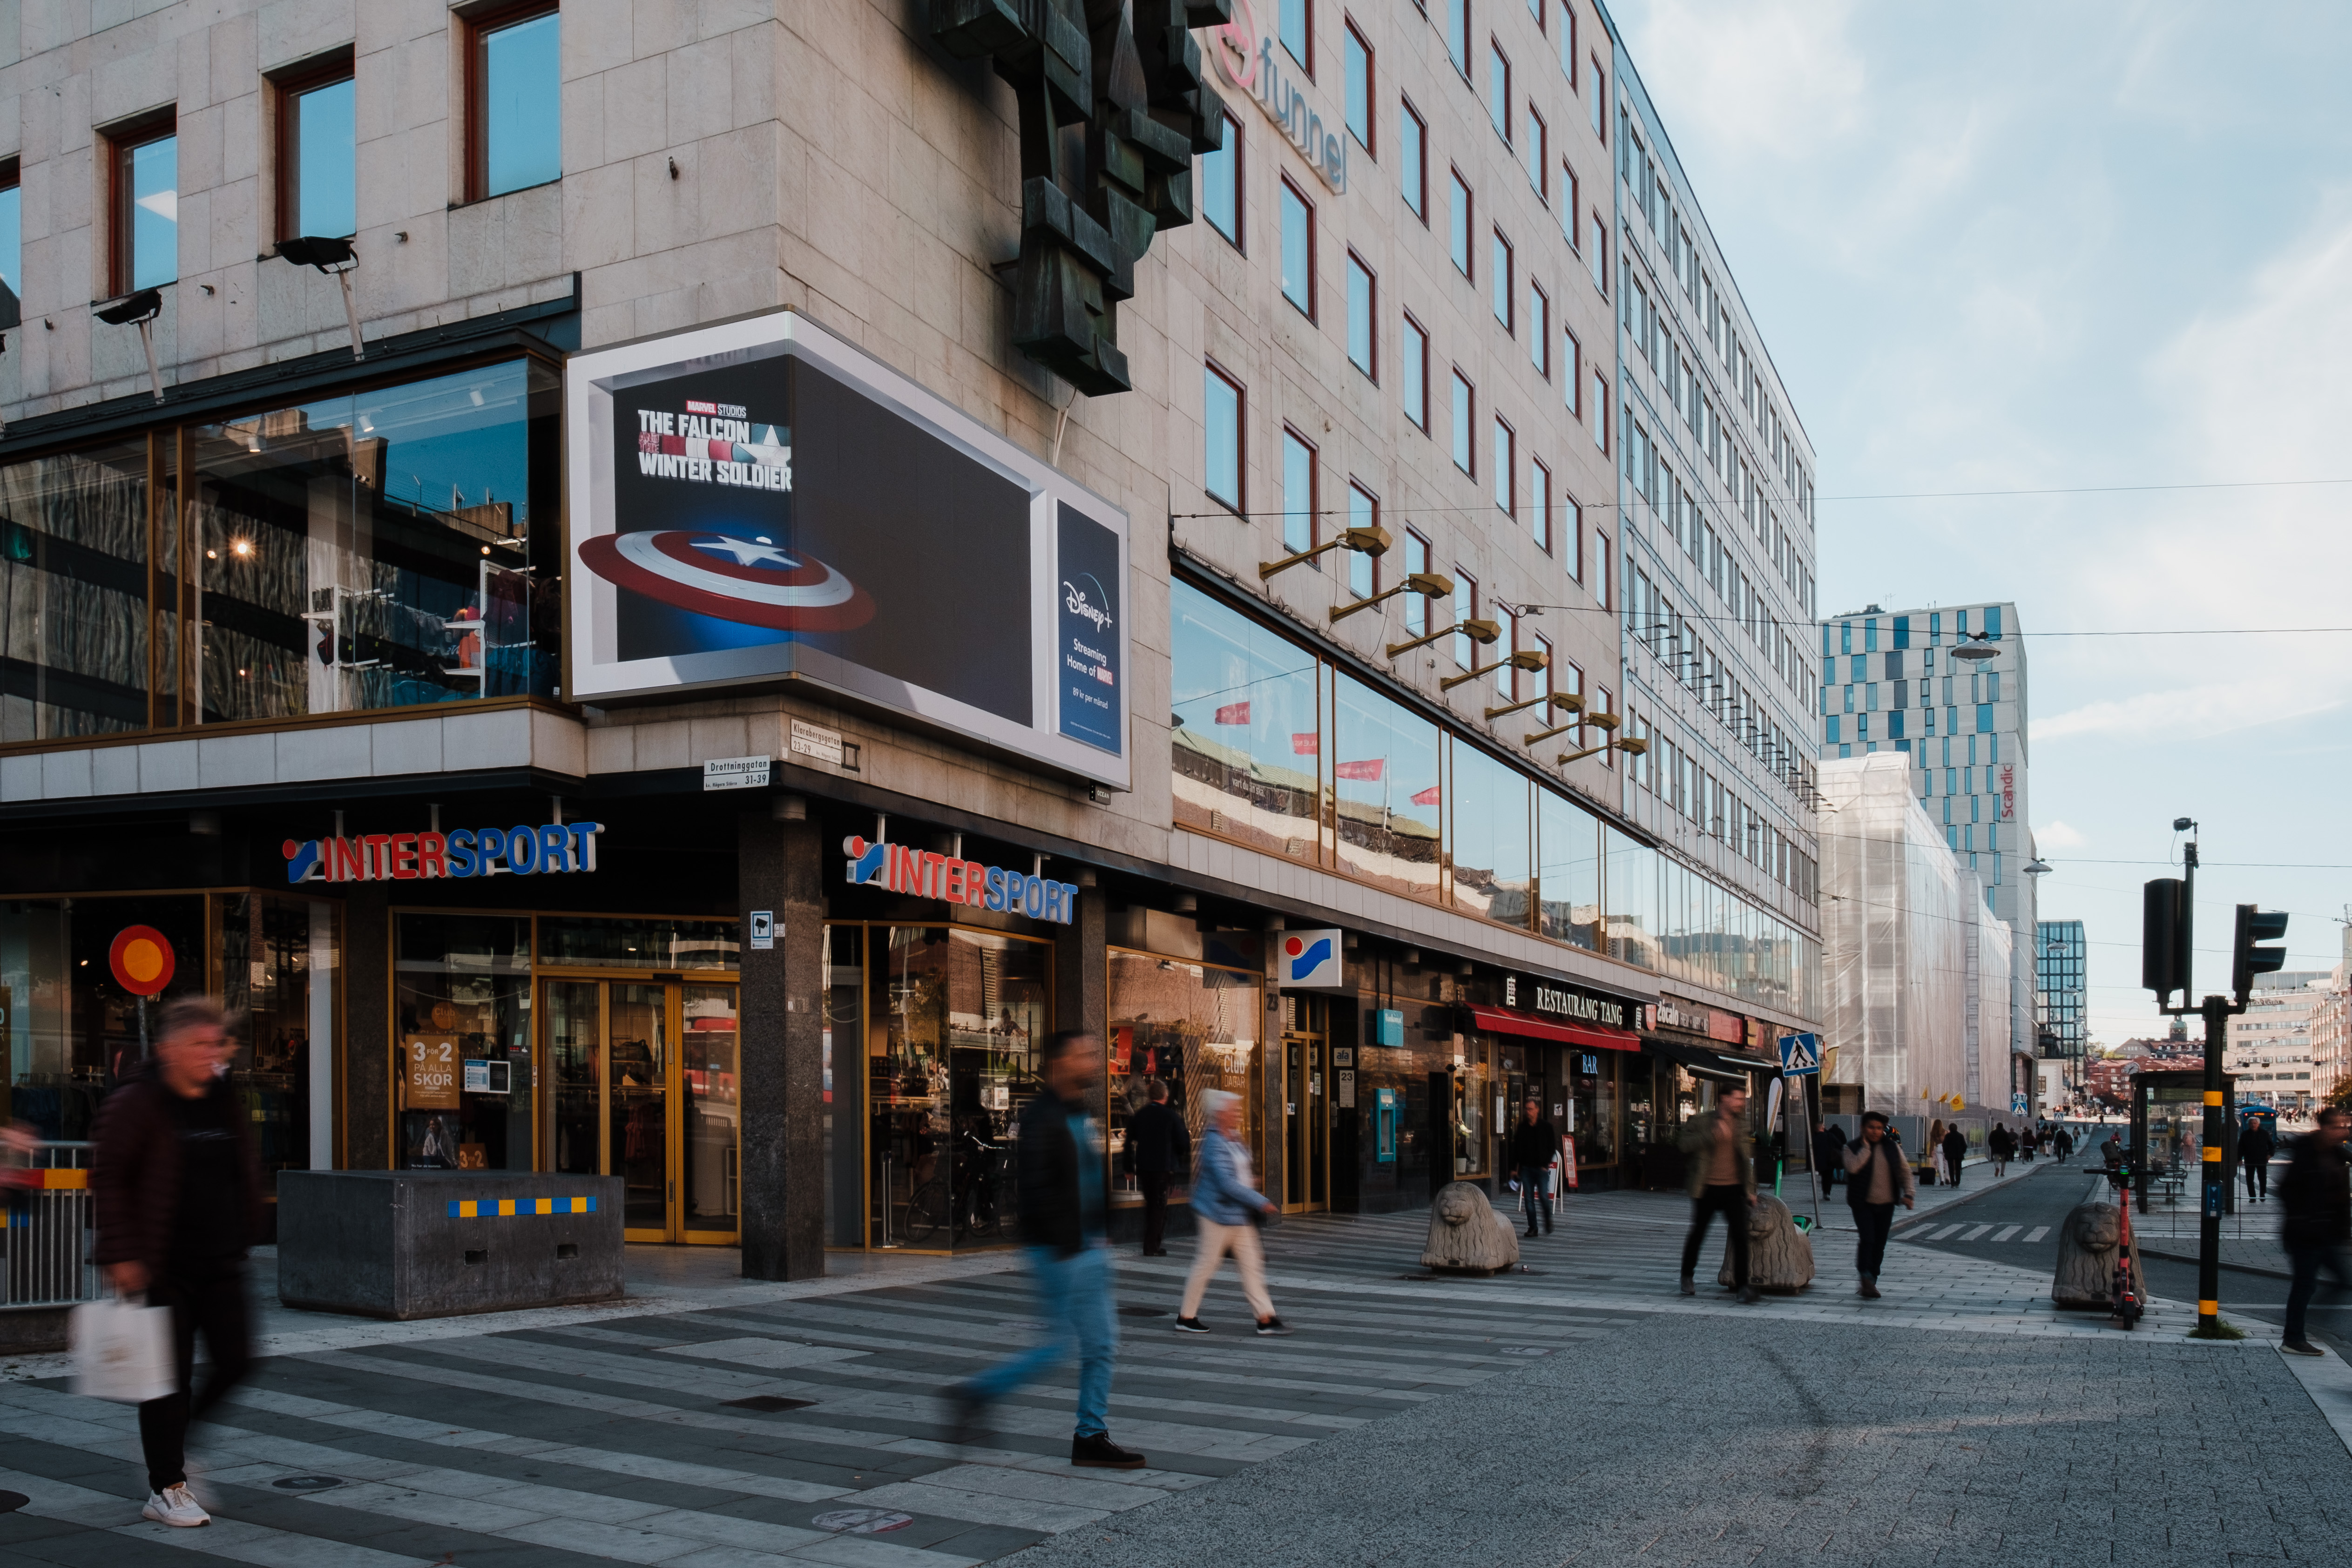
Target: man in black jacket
x=1064, y=1219
x=1159, y=1150
x=1956, y=1149
x=1535, y=1149
x=2318, y=1191
x=1829, y=1153
x=1877, y=1178
x=2254, y=1151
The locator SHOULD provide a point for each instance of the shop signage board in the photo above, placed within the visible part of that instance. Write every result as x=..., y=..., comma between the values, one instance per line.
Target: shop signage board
x=1311, y=961
x=1670, y=1014
x=430, y=1066
x=925, y=874
x=1567, y=1002
x=546, y=851
x=759, y=501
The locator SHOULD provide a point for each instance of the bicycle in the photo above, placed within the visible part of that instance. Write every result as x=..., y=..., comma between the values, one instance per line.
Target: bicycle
x=970, y=1207
x=2130, y=1302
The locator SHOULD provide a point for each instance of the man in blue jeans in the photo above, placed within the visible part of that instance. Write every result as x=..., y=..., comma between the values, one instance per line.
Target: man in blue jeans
x=1065, y=1221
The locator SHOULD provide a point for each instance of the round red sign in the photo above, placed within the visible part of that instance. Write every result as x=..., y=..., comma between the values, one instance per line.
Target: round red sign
x=142, y=960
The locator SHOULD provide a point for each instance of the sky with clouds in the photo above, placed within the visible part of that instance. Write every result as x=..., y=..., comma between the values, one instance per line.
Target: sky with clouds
x=2062, y=246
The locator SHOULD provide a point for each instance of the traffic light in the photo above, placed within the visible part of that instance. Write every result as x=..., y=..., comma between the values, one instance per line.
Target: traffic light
x=2246, y=960
x=2164, y=939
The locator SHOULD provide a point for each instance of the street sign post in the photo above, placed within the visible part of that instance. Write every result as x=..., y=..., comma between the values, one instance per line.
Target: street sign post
x=1801, y=1055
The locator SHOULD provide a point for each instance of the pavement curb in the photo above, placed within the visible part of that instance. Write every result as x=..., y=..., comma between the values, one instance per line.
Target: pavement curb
x=2147, y=1251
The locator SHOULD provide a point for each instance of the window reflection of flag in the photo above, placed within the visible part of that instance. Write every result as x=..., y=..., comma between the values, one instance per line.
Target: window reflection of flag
x=1234, y=713
x=1369, y=772
x=1305, y=744
x=1426, y=798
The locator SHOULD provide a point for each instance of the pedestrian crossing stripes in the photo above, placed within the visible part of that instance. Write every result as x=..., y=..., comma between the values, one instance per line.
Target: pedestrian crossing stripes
x=495, y=1208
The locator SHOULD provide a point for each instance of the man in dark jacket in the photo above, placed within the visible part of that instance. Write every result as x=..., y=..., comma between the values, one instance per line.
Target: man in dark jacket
x=1159, y=1150
x=1535, y=1149
x=1719, y=1173
x=1877, y=1178
x=1956, y=1149
x=1065, y=1222
x=2318, y=1191
x=178, y=1196
x=2061, y=1143
x=1829, y=1153
x=2254, y=1151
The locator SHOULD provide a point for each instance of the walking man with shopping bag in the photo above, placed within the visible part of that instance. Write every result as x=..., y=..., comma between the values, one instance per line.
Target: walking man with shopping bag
x=178, y=1194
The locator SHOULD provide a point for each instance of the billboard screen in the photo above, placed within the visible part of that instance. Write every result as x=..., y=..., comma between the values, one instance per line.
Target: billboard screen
x=758, y=500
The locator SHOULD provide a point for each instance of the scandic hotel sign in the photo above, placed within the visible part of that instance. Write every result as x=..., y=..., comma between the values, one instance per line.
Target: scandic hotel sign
x=759, y=501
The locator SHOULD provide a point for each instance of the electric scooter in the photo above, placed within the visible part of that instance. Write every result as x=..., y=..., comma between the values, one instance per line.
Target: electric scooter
x=2129, y=1304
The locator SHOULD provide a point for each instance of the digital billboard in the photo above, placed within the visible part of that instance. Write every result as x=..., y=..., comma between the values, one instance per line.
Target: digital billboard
x=758, y=500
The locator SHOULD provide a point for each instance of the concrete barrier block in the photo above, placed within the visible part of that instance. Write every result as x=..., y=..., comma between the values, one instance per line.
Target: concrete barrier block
x=437, y=1243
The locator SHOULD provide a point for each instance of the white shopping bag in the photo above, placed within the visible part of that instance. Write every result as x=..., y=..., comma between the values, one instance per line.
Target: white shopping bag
x=122, y=1352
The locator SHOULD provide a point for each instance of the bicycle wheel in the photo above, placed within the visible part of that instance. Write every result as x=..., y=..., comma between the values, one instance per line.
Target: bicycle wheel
x=926, y=1210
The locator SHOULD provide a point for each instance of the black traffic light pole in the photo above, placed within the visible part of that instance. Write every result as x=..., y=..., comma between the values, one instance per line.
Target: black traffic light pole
x=2167, y=922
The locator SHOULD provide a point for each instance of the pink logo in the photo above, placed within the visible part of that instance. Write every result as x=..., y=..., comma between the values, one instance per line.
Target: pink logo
x=1235, y=47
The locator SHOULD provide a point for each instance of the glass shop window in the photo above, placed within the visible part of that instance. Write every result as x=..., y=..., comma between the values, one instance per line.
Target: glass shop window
x=73, y=594
x=461, y=1011
x=69, y=1026
x=279, y=959
x=1191, y=1027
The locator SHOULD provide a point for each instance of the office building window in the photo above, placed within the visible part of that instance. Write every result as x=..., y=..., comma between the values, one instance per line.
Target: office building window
x=1413, y=351
x=1457, y=35
x=1220, y=428
x=1416, y=563
x=1466, y=610
x=1570, y=201
x=1539, y=329
x=514, y=100
x=317, y=153
x=1984, y=718
x=1571, y=525
x=1358, y=68
x=1539, y=503
x=1458, y=221
x=1298, y=519
x=1833, y=730
x=1221, y=183
x=1599, y=256
x=1363, y=571
x=1362, y=312
x=1464, y=396
x=1599, y=98
x=1600, y=411
x=1296, y=20
x=1507, y=467
x=1499, y=90
x=1608, y=705
x=12, y=241
x=1412, y=159
x=146, y=210
x=1298, y=250
x=1571, y=366
x=1539, y=154
x=1500, y=284
x=1506, y=643
x=1567, y=42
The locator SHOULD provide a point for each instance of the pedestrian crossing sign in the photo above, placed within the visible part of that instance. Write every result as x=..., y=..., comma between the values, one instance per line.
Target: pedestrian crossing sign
x=1801, y=1055
x=2017, y=1104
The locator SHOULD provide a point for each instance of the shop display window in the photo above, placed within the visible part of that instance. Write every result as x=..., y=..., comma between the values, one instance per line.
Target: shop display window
x=461, y=1041
x=581, y=941
x=71, y=1029
x=1246, y=746
x=1387, y=798
x=279, y=964
x=1592, y=1106
x=73, y=594
x=1191, y=1027
x=1489, y=847
x=955, y=1022
x=844, y=1050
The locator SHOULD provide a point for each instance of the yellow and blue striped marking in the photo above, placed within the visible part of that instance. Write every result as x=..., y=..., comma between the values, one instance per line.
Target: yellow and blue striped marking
x=493, y=1208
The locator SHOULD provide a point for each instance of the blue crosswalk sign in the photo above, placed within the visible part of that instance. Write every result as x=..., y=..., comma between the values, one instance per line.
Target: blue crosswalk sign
x=1801, y=1055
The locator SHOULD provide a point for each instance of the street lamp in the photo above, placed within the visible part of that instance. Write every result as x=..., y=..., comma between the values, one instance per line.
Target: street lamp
x=1975, y=646
x=2037, y=867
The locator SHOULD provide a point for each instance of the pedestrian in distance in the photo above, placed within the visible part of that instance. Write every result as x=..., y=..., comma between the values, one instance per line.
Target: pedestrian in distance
x=1159, y=1150
x=2317, y=1193
x=1719, y=1173
x=1956, y=1149
x=1936, y=1152
x=1829, y=1152
x=1534, y=1149
x=2001, y=1146
x=1065, y=1225
x=2255, y=1151
x=1877, y=1178
x=2112, y=1151
x=2063, y=1145
x=177, y=1190
x=1230, y=1210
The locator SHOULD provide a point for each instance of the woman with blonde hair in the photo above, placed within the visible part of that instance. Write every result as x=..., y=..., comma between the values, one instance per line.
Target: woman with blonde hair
x=1229, y=1209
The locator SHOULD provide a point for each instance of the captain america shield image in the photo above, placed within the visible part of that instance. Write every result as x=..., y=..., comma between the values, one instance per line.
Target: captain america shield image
x=753, y=582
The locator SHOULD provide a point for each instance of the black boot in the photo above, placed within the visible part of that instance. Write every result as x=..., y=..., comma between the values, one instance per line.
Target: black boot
x=1096, y=1451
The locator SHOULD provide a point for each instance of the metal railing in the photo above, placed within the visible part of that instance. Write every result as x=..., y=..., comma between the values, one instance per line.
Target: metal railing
x=45, y=1256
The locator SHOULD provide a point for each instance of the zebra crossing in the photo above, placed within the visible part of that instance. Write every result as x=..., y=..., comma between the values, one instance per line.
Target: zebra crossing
x=1965, y=1232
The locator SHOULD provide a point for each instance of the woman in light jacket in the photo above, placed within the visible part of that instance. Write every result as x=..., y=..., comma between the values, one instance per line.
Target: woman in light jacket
x=1228, y=1208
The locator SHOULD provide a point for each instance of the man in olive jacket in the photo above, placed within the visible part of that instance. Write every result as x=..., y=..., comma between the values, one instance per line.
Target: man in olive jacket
x=1719, y=1173
x=178, y=1196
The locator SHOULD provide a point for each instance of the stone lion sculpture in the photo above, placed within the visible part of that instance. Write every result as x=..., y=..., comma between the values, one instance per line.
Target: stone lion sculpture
x=1465, y=1235
x=1779, y=1255
x=2086, y=1257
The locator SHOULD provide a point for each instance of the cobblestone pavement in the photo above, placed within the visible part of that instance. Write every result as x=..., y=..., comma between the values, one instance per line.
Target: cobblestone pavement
x=1579, y=1411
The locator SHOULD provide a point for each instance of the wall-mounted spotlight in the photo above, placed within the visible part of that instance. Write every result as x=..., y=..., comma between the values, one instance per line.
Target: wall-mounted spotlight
x=1479, y=632
x=1531, y=660
x=139, y=311
x=1568, y=700
x=336, y=259
x=1372, y=541
x=1428, y=585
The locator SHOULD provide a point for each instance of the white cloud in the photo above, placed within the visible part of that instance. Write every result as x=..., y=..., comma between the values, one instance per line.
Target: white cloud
x=2058, y=835
x=1764, y=79
x=2215, y=709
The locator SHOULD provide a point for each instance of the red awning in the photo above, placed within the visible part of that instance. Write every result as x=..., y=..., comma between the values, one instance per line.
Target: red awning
x=1511, y=1021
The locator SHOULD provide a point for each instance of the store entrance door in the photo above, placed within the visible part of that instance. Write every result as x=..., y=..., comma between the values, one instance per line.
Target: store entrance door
x=1306, y=1095
x=641, y=1082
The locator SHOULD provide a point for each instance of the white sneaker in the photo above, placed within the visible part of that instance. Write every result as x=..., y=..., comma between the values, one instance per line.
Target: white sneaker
x=176, y=1506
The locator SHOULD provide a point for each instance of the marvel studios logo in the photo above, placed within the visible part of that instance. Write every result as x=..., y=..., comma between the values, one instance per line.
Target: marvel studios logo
x=718, y=410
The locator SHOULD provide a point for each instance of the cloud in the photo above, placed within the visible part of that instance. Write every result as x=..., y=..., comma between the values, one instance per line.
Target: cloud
x=1770, y=80
x=2215, y=709
x=2058, y=835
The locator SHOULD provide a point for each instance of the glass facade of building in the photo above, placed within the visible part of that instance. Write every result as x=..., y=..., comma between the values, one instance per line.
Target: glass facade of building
x=2060, y=953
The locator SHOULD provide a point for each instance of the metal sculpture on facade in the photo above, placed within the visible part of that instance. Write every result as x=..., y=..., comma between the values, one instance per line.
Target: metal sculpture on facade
x=1113, y=107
